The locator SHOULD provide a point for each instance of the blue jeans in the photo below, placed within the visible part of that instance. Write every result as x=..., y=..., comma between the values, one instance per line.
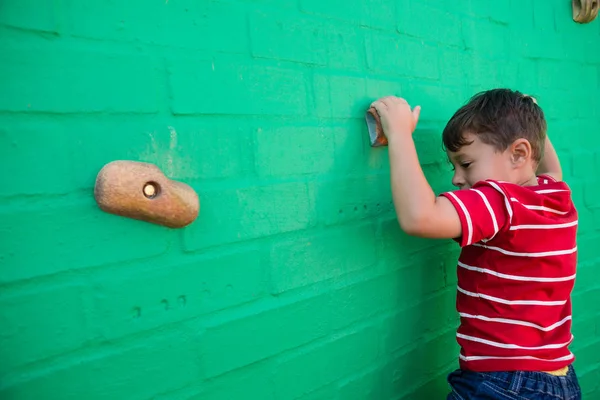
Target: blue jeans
x=513, y=385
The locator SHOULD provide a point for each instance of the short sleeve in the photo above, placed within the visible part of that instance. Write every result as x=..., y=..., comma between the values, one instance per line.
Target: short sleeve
x=484, y=210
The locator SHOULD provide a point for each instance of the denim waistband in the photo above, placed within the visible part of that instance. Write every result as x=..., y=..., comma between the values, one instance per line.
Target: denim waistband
x=535, y=381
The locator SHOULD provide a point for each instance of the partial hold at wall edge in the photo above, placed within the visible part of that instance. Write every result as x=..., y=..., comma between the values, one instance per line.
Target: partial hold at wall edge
x=585, y=11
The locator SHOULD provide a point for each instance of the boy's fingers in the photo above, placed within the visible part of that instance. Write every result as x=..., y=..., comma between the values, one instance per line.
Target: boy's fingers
x=380, y=107
x=416, y=113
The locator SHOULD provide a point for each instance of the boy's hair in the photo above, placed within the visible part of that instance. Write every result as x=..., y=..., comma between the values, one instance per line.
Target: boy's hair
x=498, y=117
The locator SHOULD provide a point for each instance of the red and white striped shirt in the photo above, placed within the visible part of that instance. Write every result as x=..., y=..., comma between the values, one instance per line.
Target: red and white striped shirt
x=516, y=272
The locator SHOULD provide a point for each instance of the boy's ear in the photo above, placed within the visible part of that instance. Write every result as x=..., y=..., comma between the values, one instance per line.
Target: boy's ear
x=520, y=151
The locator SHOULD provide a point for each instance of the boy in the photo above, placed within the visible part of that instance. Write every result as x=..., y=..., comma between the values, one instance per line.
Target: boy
x=516, y=224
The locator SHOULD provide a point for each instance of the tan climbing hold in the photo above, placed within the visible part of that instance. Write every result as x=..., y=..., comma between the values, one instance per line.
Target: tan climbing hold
x=141, y=191
x=585, y=11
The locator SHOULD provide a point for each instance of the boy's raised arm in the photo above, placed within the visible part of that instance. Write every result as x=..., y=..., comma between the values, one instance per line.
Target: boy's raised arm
x=419, y=211
x=550, y=164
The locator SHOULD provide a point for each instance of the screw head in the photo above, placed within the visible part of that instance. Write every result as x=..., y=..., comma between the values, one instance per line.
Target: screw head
x=150, y=190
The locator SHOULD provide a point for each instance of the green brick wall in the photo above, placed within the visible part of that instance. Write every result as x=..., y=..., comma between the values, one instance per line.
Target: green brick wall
x=295, y=282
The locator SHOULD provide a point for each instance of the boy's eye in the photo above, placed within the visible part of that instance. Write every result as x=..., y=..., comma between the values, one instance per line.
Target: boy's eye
x=465, y=165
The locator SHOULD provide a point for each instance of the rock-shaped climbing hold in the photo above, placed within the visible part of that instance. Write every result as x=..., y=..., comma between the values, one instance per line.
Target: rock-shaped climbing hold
x=376, y=135
x=141, y=191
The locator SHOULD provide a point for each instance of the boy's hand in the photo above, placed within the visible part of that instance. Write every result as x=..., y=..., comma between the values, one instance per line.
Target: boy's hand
x=396, y=116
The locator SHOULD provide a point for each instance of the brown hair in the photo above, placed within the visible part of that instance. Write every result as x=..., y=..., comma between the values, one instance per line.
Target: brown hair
x=498, y=117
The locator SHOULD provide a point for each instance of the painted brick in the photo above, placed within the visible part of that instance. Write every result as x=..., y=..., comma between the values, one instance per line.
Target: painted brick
x=394, y=54
x=485, y=38
x=352, y=199
x=309, y=149
x=342, y=356
x=135, y=372
x=547, y=69
x=282, y=150
x=301, y=40
x=58, y=81
x=305, y=40
x=29, y=146
x=30, y=318
x=295, y=282
x=251, y=212
x=412, y=324
x=206, y=87
x=305, y=260
x=373, y=297
x=30, y=14
x=379, y=13
x=429, y=389
x=147, y=299
x=589, y=382
x=364, y=386
x=253, y=382
x=543, y=17
x=186, y=24
x=443, y=26
x=70, y=237
x=171, y=144
x=438, y=352
x=265, y=334
x=330, y=106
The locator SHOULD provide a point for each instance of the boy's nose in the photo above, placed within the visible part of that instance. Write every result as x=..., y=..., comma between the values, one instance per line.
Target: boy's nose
x=458, y=181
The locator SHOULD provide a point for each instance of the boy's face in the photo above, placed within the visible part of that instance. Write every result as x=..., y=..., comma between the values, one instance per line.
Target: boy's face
x=479, y=161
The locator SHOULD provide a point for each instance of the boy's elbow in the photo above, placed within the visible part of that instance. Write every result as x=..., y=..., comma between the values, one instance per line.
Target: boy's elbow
x=413, y=226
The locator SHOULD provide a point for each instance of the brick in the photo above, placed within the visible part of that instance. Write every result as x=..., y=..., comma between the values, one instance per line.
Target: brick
x=439, y=352
x=264, y=334
x=587, y=355
x=171, y=144
x=30, y=318
x=30, y=14
x=543, y=17
x=364, y=386
x=305, y=260
x=571, y=74
x=72, y=236
x=484, y=37
x=445, y=29
x=589, y=381
x=438, y=103
x=401, y=56
x=582, y=298
x=286, y=37
x=301, y=40
x=222, y=144
x=430, y=389
x=352, y=199
x=184, y=24
x=397, y=249
x=379, y=13
x=484, y=74
x=136, y=371
x=324, y=393
x=58, y=81
x=181, y=290
x=283, y=150
x=330, y=105
x=376, y=296
x=28, y=145
x=250, y=212
x=411, y=325
x=206, y=87
x=311, y=369
x=586, y=327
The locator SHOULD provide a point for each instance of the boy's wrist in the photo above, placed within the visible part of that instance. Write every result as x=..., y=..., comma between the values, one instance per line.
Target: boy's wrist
x=398, y=136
